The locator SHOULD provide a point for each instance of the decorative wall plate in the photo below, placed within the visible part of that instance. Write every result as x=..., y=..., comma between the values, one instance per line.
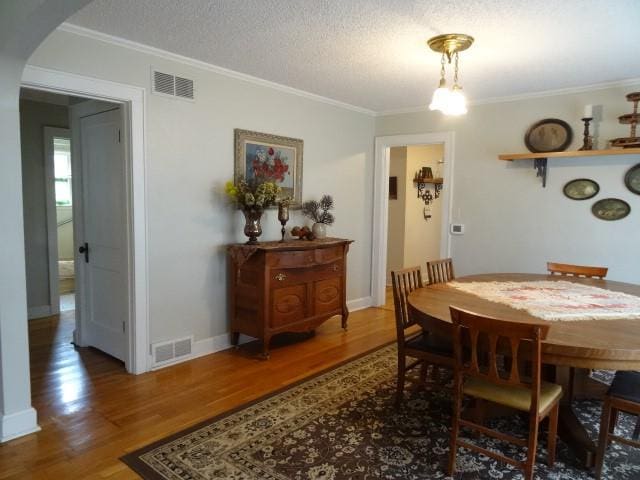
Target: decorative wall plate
x=632, y=179
x=610, y=209
x=548, y=135
x=581, y=189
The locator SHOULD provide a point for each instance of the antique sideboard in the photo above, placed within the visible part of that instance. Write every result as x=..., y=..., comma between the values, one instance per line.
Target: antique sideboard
x=291, y=286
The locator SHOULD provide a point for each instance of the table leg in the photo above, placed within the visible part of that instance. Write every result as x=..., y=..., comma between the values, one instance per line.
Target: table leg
x=570, y=429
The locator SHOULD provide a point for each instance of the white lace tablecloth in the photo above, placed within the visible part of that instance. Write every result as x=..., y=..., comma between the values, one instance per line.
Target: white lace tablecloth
x=557, y=300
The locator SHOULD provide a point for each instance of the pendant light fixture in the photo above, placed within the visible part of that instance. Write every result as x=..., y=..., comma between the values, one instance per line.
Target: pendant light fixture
x=449, y=101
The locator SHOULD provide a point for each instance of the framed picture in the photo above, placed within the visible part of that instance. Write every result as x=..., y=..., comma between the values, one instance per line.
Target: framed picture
x=581, y=189
x=610, y=209
x=393, y=188
x=272, y=158
x=632, y=179
x=548, y=135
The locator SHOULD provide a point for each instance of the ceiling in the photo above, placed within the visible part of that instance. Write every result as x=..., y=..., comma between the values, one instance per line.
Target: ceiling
x=372, y=53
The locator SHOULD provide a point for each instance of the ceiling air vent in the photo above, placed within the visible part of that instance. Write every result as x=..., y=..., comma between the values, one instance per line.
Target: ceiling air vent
x=171, y=85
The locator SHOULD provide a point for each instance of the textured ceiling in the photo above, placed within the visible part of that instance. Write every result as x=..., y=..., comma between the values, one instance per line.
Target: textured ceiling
x=372, y=53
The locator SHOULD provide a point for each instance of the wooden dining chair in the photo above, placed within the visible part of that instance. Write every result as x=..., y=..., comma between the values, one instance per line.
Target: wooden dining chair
x=576, y=270
x=440, y=271
x=478, y=376
x=623, y=396
x=417, y=345
x=566, y=269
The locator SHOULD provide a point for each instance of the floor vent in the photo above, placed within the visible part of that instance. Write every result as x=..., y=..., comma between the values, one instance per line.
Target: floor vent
x=165, y=353
x=172, y=86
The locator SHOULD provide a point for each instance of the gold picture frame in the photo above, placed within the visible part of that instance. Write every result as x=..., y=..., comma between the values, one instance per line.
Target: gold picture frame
x=271, y=157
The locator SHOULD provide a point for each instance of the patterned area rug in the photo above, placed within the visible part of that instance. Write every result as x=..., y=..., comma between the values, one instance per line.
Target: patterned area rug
x=342, y=425
x=557, y=300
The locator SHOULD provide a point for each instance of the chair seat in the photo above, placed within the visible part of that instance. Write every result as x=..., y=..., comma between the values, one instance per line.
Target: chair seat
x=511, y=395
x=626, y=385
x=430, y=344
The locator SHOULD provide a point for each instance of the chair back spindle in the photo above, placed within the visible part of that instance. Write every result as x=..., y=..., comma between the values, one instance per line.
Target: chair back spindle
x=404, y=282
x=440, y=271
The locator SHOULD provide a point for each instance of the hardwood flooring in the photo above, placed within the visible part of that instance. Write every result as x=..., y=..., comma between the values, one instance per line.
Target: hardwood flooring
x=92, y=412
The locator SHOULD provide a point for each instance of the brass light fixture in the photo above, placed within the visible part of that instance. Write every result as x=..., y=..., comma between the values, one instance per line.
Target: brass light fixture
x=449, y=102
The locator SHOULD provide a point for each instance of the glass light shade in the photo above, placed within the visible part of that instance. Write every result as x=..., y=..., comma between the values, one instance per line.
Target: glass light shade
x=456, y=103
x=440, y=98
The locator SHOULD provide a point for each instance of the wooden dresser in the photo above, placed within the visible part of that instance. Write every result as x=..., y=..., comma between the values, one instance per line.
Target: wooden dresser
x=292, y=286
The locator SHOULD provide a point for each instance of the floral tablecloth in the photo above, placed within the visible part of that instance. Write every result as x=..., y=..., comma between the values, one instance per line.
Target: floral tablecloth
x=557, y=300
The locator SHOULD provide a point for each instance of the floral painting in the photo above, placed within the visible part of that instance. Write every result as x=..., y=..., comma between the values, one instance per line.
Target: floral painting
x=270, y=158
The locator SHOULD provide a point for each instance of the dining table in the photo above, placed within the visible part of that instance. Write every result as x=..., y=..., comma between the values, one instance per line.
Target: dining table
x=603, y=344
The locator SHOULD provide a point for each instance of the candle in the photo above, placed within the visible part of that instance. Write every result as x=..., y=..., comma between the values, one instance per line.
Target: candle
x=588, y=111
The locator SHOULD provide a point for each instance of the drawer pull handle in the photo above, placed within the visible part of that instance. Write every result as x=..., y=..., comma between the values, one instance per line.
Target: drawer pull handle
x=280, y=277
x=335, y=267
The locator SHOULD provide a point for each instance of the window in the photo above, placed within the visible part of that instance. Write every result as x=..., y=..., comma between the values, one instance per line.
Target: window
x=62, y=170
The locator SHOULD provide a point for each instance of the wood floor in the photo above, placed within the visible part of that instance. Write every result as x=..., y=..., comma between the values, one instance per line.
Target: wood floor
x=92, y=412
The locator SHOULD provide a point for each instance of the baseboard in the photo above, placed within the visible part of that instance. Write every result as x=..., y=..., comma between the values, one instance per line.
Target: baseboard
x=210, y=345
x=359, y=303
x=18, y=424
x=39, y=312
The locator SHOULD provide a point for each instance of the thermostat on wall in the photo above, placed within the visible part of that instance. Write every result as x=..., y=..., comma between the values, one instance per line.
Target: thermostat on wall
x=457, y=229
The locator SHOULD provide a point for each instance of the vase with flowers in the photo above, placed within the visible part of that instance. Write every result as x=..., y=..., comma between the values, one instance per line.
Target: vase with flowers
x=319, y=213
x=252, y=197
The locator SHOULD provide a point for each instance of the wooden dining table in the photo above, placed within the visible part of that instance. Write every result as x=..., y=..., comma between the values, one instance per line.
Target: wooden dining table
x=584, y=344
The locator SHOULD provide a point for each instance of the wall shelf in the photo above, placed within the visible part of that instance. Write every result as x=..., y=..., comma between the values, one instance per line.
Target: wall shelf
x=435, y=181
x=540, y=159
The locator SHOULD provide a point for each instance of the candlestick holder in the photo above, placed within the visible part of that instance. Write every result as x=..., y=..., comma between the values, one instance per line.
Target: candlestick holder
x=587, y=141
x=283, y=217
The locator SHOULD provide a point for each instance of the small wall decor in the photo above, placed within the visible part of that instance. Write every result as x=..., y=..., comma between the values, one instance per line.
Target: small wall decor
x=423, y=179
x=632, y=179
x=610, y=209
x=393, y=188
x=581, y=189
x=548, y=135
x=270, y=158
x=319, y=213
x=629, y=119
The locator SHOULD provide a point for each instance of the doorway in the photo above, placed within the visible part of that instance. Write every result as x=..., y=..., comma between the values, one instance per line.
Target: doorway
x=415, y=207
x=434, y=153
x=78, y=144
x=131, y=99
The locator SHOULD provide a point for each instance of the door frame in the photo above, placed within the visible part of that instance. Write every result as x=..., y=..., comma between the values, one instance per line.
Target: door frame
x=133, y=102
x=383, y=146
x=51, y=214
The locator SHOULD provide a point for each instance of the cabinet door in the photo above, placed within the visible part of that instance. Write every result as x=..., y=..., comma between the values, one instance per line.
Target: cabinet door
x=327, y=295
x=289, y=305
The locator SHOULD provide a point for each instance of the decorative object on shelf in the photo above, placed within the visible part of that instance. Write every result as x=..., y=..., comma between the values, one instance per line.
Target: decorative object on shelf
x=423, y=179
x=548, y=135
x=426, y=212
x=449, y=102
x=581, y=189
x=283, y=214
x=540, y=159
x=270, y=158
x=303, y=233
x=611, y=209
x=393, y=188
x=632, y=179
x=319, y=213
x=252, y=197
x=587, y=140
x=629, y=119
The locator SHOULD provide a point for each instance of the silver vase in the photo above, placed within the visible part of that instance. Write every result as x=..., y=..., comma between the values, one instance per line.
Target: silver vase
x=252, y=227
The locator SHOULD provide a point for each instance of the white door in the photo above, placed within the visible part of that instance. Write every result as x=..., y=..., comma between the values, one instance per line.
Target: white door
x=103, y=250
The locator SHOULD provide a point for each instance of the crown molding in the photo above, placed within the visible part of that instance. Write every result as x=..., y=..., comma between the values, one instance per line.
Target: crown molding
x=525, y=96
x=192, y=62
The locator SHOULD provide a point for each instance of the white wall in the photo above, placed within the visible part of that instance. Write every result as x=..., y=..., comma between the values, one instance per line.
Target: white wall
x=34, y=116
x=396, y=229
x=512, y=223
x=422, y=237
x=190, y=156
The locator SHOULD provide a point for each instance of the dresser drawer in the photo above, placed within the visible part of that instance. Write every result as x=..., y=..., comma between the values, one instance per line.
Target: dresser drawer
x=302, y=258
x=280, y=277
